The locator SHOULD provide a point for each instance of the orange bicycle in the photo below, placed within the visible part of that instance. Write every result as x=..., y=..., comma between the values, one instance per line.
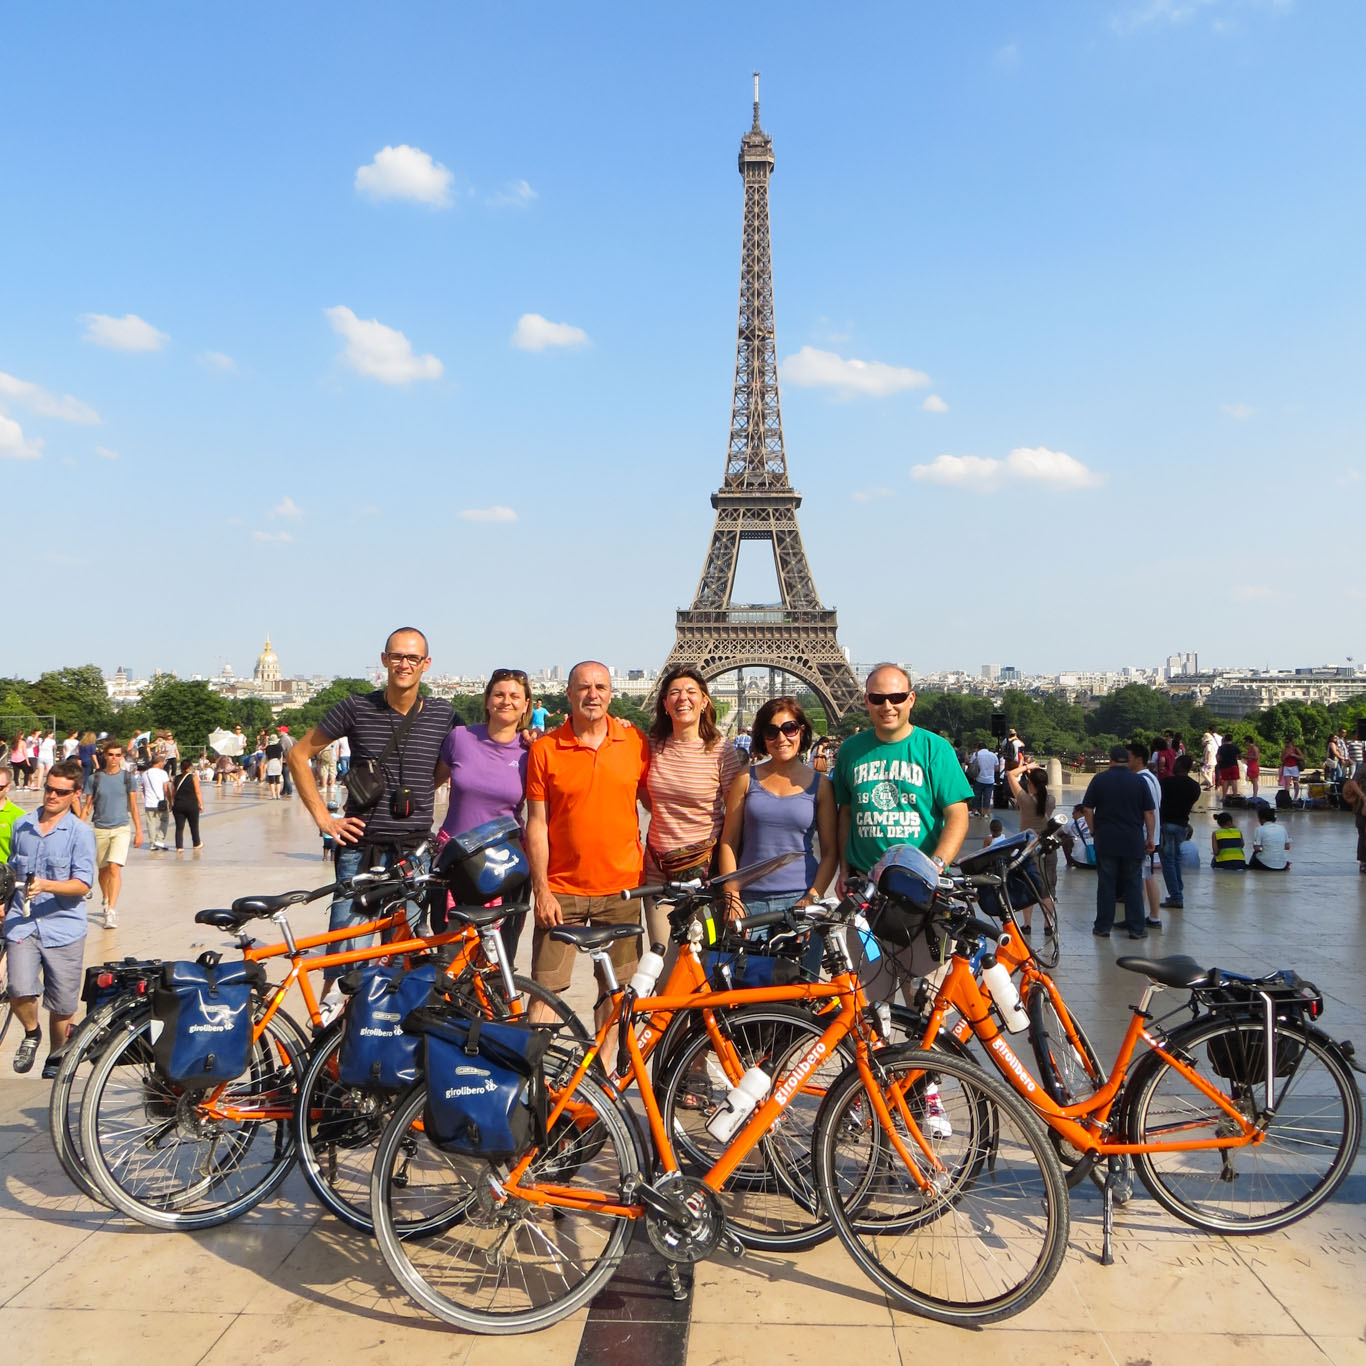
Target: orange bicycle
x=1242, y=1119
x=192, y=1157
x=514, y=1243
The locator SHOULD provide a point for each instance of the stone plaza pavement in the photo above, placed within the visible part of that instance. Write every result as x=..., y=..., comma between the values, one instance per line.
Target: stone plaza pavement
x=286, y=1283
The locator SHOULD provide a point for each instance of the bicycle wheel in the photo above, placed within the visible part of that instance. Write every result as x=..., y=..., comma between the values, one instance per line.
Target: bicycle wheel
x=6, y=1008
x=1309, y=1144
x=1067, y=1067
x=83, y=1048
x=1049, y=948
x=509, y=1266
x=986, y=1236
x=172, y=1159
x=770, y=1199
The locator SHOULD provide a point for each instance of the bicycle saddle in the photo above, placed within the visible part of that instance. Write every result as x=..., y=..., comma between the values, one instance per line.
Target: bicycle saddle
x=222, y=919
x=586, y=938
x=1178, y=970
x=480, y=916
x=250, y=907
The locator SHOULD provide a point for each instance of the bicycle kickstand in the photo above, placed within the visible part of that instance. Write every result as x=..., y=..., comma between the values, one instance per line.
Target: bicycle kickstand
x=1117, y=1185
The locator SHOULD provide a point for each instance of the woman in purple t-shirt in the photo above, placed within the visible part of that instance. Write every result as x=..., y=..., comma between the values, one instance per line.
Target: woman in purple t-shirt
x=488, y=768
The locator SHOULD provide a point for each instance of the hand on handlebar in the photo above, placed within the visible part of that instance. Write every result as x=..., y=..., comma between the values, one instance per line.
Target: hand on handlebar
x=735, y=907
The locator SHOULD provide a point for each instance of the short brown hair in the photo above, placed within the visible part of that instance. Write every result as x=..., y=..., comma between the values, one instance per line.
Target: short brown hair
x=70, y=769
x=767, y=712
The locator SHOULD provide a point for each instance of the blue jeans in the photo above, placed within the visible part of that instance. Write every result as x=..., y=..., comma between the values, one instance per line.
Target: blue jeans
x=1113, y=872
x=986, y=793
x=1173, y=837
x=343, y=913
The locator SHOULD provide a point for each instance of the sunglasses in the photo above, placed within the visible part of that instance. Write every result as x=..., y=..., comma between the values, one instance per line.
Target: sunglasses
x=502, y=676
x=58, y=791
x=788, y=728
x=895, y=698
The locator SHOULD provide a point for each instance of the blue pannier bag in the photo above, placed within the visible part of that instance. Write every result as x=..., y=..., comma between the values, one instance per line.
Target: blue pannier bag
x=485, y=1089
x=375, y=1049
x=201, y=1021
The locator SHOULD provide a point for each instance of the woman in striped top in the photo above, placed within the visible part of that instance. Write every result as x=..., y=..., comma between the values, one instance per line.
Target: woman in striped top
x=691, y=769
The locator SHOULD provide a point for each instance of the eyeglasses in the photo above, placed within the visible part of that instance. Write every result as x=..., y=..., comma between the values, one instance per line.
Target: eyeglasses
x=788, y=728
x=502, y=676
x=895, y=698
x=404, y=659
x=58, y=791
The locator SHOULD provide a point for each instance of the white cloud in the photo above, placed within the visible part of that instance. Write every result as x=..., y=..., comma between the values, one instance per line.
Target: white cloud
x=493, y=514
x=105, y=453
x=39, y=402
x=934, y=404
x=383, y=353
x=286, y=507
x=405, y=172
x=871, y=495
x=271, y=536
x=1174, y=12
x=1239, y=412
x=516, y=194
x=128, y=333
x=812, y=368
x=218, y=360
x=535, y=333
x=14, y=445
x=1024, y=465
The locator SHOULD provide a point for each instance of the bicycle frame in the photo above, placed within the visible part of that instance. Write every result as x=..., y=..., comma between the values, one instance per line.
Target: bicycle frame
x=1078, y=1123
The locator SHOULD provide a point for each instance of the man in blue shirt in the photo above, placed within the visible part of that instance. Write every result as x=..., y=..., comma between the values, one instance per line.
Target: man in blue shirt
x=52, y=854
x=1122, y=816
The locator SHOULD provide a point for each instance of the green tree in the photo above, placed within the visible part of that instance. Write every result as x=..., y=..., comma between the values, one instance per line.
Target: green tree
x=77, y=696
x=253, y=714
x=189, y=708
x=1134, y=709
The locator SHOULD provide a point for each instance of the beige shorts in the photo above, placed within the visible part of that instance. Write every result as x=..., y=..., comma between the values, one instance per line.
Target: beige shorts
x=111, y=846
x=552, y=961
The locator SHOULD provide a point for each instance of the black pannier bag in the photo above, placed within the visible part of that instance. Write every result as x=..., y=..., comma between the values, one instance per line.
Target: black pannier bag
x=201, y=1021
x=375, y=1049
x=1241, y=1057
x=907, y=885
x=486, y=1093
x=1010, y=857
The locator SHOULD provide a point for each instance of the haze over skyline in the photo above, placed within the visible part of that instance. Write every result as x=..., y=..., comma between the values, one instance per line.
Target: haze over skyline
x=329, y=319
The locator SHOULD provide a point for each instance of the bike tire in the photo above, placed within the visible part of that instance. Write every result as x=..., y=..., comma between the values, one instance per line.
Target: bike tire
x=83, y=1047
x=6, y=1005
x=338, y=1127
x=1069, y=1072
x=458, y=1273
x=990, y=1240
x=770, y=1200
x=1305, y=1154
x=130, y=1109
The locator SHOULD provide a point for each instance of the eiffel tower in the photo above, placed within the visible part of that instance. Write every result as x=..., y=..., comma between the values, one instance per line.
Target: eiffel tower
x=756, y=500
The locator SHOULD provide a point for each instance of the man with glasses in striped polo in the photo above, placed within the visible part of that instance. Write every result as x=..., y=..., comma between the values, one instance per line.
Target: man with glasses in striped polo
x=897, y=783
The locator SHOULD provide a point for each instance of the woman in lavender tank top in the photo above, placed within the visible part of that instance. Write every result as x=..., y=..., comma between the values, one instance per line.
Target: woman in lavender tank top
x=488, y=768
x=780, y=805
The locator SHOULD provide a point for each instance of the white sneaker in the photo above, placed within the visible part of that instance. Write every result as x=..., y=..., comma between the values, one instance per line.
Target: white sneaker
x=111, y=918
x=936, y=1117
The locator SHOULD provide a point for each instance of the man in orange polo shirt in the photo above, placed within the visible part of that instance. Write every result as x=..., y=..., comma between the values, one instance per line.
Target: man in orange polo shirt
x=582, y=830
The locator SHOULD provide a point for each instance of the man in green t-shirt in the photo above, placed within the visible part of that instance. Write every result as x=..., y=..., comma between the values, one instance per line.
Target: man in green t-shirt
x=10, y=811
x=897, y=784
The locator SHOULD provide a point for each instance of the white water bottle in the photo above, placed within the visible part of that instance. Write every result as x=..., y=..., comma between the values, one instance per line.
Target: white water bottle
x=331, y=1004
x=738, y=1104
x=1004, y=996
x=647, y=973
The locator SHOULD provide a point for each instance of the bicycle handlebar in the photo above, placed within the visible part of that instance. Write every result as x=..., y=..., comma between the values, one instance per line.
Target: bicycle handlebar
x=760, y=919
x=661, y=889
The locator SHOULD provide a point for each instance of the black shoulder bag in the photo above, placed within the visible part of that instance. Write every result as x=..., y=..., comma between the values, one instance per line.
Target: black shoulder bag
x=365, y=781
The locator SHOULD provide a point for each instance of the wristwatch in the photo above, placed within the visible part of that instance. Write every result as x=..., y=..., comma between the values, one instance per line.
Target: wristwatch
x=937, y=861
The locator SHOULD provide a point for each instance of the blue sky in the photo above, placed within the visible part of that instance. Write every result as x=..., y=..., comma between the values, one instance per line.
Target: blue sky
x=321, y=318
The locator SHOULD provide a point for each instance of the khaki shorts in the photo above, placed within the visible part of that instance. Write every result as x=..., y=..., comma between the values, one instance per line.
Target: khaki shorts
x=552, y=960
x=111, y=846
x=55, y=970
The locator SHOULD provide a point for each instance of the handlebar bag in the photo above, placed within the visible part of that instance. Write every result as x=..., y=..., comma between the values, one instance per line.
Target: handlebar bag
x=375, y=1049
x=486, y=1094
x=201, y=1021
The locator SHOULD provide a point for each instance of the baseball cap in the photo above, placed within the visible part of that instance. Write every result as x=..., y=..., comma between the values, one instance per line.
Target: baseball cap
x=1119, y=754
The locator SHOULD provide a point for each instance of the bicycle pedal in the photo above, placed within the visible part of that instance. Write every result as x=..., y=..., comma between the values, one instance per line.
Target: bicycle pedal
x=730, y=1244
